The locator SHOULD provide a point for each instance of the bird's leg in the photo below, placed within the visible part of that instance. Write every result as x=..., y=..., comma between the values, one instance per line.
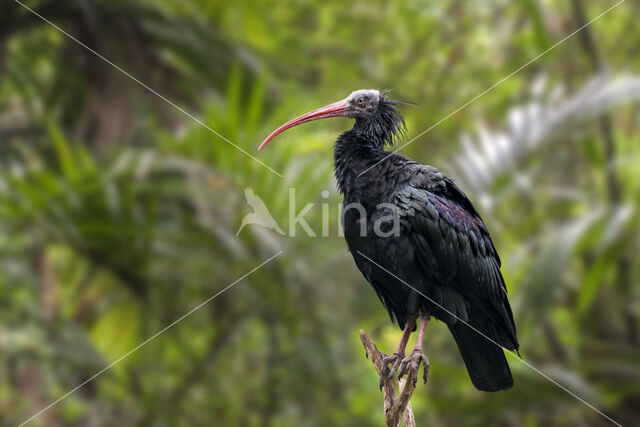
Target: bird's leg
x=411, y=363
x=395, y=358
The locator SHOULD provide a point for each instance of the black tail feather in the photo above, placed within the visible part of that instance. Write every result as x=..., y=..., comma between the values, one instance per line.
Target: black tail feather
x=485, y=361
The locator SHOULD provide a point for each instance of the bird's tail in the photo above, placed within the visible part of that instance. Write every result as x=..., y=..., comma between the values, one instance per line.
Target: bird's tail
x=485, y=361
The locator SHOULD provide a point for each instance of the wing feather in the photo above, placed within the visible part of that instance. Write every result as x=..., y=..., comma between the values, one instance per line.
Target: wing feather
x=455, y=251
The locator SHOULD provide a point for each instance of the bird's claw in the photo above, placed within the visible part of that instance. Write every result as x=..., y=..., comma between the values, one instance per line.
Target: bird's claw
x=411, y=365
x=387, y=374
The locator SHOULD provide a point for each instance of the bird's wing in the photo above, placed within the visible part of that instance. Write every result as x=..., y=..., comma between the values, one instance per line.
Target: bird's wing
x=454, y=249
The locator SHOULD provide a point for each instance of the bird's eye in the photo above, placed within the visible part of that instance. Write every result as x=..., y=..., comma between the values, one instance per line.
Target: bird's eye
x=360, y=101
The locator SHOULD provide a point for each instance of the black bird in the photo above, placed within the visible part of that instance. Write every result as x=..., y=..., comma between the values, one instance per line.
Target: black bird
x=418, y=241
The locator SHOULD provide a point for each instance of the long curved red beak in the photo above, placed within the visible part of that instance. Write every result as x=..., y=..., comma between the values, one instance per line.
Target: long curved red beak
x=337, y=109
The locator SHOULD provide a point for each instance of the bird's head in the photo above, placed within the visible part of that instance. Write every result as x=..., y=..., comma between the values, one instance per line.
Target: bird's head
x=371, y=109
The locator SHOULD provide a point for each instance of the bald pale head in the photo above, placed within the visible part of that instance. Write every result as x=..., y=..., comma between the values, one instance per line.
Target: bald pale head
x=371, y=109
x=363, y=103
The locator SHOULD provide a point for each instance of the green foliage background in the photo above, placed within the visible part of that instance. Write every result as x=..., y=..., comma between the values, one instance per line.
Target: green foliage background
x=118, y=213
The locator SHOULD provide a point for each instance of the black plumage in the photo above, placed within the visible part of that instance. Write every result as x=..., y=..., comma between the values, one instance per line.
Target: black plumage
x=442, y=247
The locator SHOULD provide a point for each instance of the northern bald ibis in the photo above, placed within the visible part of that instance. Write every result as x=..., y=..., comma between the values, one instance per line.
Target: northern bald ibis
x=418, y=240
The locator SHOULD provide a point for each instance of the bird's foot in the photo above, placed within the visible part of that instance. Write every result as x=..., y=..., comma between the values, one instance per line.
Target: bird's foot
x=410, y=366
x=387, y=374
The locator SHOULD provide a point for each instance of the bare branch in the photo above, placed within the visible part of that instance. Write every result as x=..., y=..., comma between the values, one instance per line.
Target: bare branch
x=396, y=409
